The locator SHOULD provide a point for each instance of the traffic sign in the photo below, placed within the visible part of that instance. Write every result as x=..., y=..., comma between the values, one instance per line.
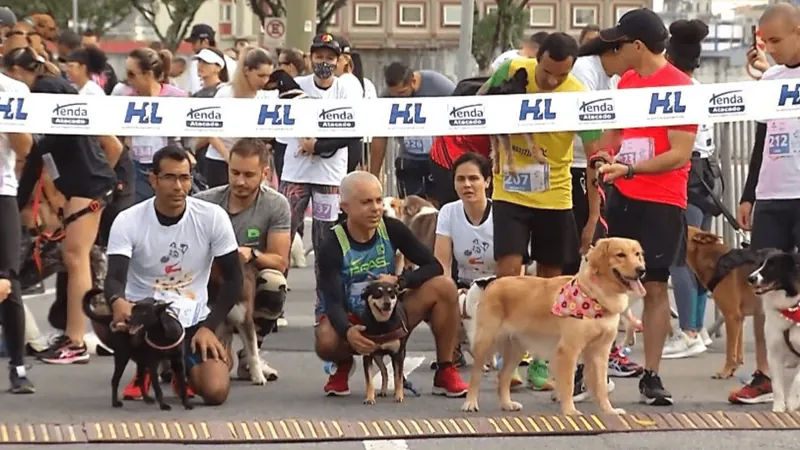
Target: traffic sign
x=274, y=32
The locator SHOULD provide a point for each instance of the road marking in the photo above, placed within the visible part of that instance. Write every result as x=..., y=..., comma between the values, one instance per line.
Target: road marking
x=411, y=363
x=386, y=444
x=47, y=292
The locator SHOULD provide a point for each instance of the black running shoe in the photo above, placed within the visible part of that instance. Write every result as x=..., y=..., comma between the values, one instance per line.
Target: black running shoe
x=652, y=390
x=20, y=384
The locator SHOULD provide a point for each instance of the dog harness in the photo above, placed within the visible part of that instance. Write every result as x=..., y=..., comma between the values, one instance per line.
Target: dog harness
x=399, y=332
x=792, y=315
x=360, y=265
x=573, y=302
x=170, y=346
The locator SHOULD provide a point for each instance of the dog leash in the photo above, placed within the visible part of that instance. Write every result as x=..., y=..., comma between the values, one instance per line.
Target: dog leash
x=166, y=347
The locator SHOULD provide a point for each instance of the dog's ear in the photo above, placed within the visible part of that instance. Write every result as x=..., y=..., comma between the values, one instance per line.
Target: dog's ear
x=411, y=206
x=598, y=254
x=520, y=77
x=162, y=306
x=706, y=238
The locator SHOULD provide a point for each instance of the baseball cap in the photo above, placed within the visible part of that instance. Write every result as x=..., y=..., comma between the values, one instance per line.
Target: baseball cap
x=326, y=40
x=7, y=17
x=199, y=32
x=346, y=48
x=640, y=24
x=209, y=57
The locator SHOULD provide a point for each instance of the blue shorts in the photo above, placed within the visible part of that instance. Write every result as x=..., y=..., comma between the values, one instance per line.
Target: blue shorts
x=190, y=359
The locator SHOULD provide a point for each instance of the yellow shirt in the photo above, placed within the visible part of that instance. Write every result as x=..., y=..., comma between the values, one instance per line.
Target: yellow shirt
x=557, y=147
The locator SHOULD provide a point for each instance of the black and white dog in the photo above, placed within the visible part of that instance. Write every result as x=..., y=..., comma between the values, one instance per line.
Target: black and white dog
x=777, y=282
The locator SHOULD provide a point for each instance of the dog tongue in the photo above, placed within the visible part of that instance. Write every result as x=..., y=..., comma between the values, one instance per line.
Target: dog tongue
x=638, y=288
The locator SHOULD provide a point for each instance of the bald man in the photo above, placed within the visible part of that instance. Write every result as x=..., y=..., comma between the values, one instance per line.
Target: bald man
x=772, y=185
x=355, y=252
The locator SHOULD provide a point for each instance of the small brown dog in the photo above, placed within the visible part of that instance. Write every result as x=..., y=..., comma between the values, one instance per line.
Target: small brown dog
x=734, y=297
x=384, y=323
x=563, y=317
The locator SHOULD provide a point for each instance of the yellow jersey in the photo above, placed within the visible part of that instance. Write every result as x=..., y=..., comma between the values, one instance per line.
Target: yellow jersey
x=536, y=185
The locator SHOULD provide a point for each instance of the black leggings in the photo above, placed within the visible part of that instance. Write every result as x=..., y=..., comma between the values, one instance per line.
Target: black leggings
x=12, y=313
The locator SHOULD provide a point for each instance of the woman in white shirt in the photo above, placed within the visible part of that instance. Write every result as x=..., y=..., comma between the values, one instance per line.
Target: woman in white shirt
x=81, y=65
x=464, y=232
x=252, y=71
x=683, y=51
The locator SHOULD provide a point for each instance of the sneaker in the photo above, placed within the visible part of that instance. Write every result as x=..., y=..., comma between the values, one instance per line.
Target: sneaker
x=189, y=391
x=652, y=390
x=338, y=383
x=538, y=376
x=516, y=379
x=620, y=366
x=20, y=384
x=705, y=337
x=758, y=390
x=681, y=345
x=132, y=391
x=579, y=391
x=447, y=381
x=526, y=360
x=63, y=351
x=36, y=289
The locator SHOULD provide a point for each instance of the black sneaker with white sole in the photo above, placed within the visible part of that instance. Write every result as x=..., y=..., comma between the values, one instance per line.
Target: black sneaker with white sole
x=579, y=391
x=652, y=390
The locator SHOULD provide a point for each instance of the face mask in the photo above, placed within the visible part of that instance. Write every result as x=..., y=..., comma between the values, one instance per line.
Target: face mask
x=324, y=70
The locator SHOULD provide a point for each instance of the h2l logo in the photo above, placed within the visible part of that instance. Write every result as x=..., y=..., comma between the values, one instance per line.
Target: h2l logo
x=12, y=109
x=277, y=115
x=670, y=103
x=147, y=114
x=411, y=114
x=787, y=94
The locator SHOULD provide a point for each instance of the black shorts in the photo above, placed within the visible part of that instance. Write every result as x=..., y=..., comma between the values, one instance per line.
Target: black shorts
x=443, y=189
x=551, y=233
x=580, y=208
x=776, y=224
x=659, y=228
x=413, y=177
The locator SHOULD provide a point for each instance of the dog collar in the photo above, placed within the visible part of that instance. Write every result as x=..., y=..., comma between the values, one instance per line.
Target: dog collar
x=792, y=314
x=573, y=302
x=165, y=347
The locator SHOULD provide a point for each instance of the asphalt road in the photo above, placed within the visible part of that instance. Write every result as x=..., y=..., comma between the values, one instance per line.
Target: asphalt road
x=78, y=393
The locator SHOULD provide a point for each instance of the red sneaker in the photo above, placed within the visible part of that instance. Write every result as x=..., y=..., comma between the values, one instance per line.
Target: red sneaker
x=758, y=390
x=448, y=382
x=338, y=383
x=132, y=391
x=189, y=391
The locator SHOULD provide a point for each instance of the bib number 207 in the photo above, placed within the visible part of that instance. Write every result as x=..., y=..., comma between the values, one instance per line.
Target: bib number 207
x=520, y=182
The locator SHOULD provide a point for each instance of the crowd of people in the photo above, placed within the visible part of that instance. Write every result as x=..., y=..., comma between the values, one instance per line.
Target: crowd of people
x=167, y=208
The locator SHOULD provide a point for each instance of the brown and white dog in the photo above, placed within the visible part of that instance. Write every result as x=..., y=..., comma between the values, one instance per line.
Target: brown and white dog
x=724, y=272
x=558, y=319
x=419, y=215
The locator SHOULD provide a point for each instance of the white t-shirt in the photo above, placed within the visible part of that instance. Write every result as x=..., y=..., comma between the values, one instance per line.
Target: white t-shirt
x=172, y=263
x=473, y=246
x=8, y=157
x=505, y=56
x=91, y=88
x=226, y=91
x=299, y=167
x=369, y=89
x=589, y=71
x=780, y=164
x=704, y=141
x=193, y=80
x=351, y=83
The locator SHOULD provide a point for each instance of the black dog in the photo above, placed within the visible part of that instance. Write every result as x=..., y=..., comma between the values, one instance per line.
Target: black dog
x=384, y=322
x=148, y=337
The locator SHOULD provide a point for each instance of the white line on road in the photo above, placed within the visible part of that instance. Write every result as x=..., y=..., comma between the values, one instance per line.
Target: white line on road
x=410, y=364
x=393, y=444
x=47, y=292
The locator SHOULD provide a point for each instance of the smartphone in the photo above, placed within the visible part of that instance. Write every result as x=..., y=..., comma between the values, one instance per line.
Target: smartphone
x=755, y=35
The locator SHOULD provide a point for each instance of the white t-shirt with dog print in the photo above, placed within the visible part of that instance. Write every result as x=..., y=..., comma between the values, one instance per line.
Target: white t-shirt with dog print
x=473, y=245
x=172, y=263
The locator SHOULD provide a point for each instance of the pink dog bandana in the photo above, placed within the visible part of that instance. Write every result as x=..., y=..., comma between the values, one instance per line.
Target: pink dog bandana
x=572, y=302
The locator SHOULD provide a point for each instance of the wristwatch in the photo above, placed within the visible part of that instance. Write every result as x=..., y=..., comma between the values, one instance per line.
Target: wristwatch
x=253, y=253
x=630, y=173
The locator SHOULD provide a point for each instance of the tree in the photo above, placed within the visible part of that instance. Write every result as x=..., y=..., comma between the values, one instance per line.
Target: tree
x=181, y=15
x=326, y=9
x=100, y=16
x=501, y=30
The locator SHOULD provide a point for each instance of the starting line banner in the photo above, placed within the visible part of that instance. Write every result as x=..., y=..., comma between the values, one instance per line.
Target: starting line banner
x=532, y=113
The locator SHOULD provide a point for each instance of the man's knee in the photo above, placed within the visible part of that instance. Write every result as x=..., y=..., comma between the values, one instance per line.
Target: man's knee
x=444, y=288
x=328, y=345
x=216, y=393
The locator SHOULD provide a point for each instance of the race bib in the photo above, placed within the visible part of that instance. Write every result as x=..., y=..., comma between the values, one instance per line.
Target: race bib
x=533, y=178
x=417, y=145
x=783, y=138
x=143, y=147
x=50, y=166
x=636, y=150
x=325, y=207
x=187, y=310
x=355, y=303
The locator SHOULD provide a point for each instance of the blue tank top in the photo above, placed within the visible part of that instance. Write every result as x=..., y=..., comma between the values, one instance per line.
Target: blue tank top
x=358, y=265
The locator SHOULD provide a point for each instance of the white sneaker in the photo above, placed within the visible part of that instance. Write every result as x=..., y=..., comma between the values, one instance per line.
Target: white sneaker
x=297, y=255
x=680, y=345
x=705, y=337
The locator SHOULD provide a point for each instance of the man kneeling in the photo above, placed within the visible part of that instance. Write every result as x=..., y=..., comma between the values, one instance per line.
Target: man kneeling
x=361, y=249
x=164, y=248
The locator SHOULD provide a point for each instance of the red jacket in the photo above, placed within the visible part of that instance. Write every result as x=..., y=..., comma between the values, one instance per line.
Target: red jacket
x=446, y=149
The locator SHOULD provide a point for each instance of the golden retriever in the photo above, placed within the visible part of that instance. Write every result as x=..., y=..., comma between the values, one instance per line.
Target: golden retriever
x=571, y=315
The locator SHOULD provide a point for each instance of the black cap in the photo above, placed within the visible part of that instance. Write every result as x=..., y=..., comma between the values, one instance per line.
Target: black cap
x=7, y=17
x=346, y=48
x=326, y=40
x=640, y=24
x=199, y=32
